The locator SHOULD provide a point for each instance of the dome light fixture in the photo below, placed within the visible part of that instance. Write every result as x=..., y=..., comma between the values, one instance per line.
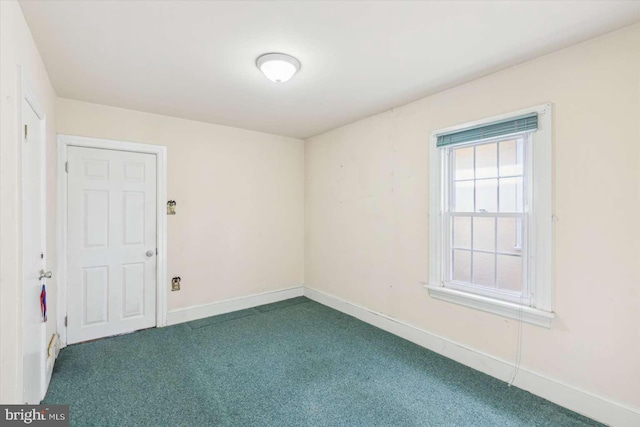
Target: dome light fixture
x=278, y=67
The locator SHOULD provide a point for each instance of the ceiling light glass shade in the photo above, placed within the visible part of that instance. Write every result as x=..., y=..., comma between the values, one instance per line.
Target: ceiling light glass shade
x=278, y=67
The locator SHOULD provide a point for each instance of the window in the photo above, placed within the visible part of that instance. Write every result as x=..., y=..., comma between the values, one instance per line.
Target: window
x=490, y=215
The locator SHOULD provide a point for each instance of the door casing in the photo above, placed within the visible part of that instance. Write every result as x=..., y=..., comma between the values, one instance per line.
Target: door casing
x=27, y=96
x=160, y=151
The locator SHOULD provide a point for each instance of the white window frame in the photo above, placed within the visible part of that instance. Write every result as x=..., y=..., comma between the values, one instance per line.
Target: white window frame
x=539, y=254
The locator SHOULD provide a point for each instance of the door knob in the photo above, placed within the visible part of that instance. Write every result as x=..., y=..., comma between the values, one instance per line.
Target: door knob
x=149, y=253
x=45, y=275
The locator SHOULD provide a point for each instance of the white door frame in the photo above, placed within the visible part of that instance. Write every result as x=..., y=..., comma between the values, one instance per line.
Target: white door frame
x=160, y=151
x=27, y=95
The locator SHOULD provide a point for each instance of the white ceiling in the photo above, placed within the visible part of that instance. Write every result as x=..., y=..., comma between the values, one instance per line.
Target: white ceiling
x=196, y=60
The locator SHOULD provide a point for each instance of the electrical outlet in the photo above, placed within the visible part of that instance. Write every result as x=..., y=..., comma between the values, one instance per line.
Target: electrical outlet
x=175, y=284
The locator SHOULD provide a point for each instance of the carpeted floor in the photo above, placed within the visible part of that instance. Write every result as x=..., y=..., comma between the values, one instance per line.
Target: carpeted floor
x=292, y=363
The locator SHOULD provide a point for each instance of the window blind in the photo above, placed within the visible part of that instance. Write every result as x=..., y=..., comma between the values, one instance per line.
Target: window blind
x=528, y=122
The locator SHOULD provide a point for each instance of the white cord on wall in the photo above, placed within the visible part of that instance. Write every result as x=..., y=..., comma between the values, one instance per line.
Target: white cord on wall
x=518, y=345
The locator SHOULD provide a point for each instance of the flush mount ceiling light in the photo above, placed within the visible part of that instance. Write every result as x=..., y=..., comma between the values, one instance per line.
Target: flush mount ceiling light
x=278, y=67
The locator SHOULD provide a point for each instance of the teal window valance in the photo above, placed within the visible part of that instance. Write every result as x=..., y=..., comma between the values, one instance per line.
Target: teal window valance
x=528, y=122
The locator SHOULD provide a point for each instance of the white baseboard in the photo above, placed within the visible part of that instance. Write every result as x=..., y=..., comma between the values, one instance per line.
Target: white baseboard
x=196, y=312
x=591, y=405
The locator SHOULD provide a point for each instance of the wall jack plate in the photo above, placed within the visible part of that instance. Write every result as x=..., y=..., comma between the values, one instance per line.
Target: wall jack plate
x=175, y=284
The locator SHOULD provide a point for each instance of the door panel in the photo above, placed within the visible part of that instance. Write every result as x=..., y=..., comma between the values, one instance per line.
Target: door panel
x=133, y=291
x=134, y=217
x=111, y=230
x=95, y=292
x=96, y=218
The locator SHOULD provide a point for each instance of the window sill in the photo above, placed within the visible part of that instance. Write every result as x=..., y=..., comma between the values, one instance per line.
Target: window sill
x=502, y=308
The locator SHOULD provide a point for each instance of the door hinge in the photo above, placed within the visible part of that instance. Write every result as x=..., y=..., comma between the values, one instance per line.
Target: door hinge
x=65, y=321
x=66, y=167
x=26, y=133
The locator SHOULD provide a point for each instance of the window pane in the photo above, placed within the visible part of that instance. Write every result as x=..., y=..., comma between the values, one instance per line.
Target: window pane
x=484, y=234
x=463, y=163
x=509, y=164
x=510, y=273
x=463, y=196
x=508, y=235
x=487, y=195
x=483, y=269
x=511, y=195
x=462, y=266
x=487, y=161
x=462, y=232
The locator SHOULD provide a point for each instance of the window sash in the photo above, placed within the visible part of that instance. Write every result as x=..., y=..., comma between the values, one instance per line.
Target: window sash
x=523, y=297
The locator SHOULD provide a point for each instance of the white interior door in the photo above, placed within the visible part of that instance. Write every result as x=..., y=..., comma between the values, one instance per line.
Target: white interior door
x=33, y=245
x=111, y=242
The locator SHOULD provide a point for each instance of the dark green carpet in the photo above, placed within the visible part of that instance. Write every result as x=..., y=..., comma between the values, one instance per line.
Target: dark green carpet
x=292, y=363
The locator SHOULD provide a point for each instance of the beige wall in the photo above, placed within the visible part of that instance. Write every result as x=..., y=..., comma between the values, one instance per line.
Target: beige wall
x=239, y=224
x=18, y=48
x=366, y=195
